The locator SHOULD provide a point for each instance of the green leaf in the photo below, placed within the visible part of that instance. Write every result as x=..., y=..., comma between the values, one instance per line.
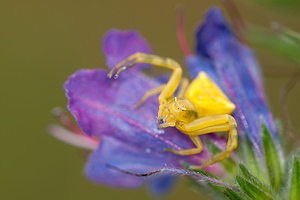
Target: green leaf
x=294, y=191
x=272, y=158
x=185, y=166
x=280, y=135
x=220, y=189
x=228, y=163
x=204, y=173
x=281, y=3
x=284, y=41
x=200, y=172
x=211, y=189
x=204, y=189
x=249, y=177
x=252, y=159
x=216, y=187
x=233, y=195
x=251, y=190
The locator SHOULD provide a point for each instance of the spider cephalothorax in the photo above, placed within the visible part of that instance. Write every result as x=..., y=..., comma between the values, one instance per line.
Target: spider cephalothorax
x=176, y=112
x=198, y=109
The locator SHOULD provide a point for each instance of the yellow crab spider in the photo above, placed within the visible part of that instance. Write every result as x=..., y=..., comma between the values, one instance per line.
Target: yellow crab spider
x=199, y=108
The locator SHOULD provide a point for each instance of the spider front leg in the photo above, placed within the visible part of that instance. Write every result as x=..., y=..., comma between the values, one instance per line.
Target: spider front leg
x=218, y=123
x=183, y=87
x=173, y=82
x=150, y=93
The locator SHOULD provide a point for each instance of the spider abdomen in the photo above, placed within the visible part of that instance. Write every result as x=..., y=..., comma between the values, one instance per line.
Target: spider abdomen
x=208, y=98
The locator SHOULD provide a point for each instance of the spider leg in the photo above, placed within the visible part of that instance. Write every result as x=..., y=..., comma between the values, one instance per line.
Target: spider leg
x=183, y=87
x=173, y=82
x=194, y=135
x=218, y=123
x=231, y=145
x=196, y=140
x=150, y=93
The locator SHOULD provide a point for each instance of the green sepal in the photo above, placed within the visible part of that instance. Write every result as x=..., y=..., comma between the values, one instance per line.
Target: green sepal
x=202, y=173
x=203, y=189
x=254, y=180
x=252, y=159
x=185, y=166
x=287, y=4
x=228, y=163
x=251, y=190
x=220, y=189
x=284, y=41
x=198, y=171
x=294, y=190
x=212, y=189
x=216, y=187
x=280, y=135
x=233, y=195
x=271, y=158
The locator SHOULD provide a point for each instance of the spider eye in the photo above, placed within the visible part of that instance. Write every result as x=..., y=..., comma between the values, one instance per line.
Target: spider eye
x=181, y=108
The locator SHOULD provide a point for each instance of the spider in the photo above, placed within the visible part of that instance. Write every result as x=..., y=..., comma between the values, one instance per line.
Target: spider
x=199, y=108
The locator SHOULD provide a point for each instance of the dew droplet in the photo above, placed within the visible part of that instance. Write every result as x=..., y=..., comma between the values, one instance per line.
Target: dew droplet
x=159, y=131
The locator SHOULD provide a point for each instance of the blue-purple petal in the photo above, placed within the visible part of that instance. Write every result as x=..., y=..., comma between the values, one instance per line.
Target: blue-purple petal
x=195, y=64
x=118, y=45
x=235, y=68
x=214, y=27
x=113, y=153
x=105, y=108
x=129, y=137
x=162, y=184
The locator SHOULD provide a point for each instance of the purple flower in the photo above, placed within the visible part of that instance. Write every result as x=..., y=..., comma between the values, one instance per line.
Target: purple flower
x=233, y=67
x=130, y=139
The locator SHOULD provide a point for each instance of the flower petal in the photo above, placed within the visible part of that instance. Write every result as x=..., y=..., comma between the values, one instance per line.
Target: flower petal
x=94, y=97
x=162, y=184
x=130, y=139
x=118, y=45
x=105, y=108
x=116, y=153
x=237, y=73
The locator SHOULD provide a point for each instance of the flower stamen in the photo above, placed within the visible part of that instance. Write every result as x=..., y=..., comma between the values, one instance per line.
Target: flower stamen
x=71, y=138
x=181, y=34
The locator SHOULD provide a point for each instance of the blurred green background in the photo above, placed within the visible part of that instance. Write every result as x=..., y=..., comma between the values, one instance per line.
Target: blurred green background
x=43, y=42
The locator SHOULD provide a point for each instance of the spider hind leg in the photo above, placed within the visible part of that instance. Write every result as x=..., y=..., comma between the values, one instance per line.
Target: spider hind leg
x=201, y=126
x=196, y=140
